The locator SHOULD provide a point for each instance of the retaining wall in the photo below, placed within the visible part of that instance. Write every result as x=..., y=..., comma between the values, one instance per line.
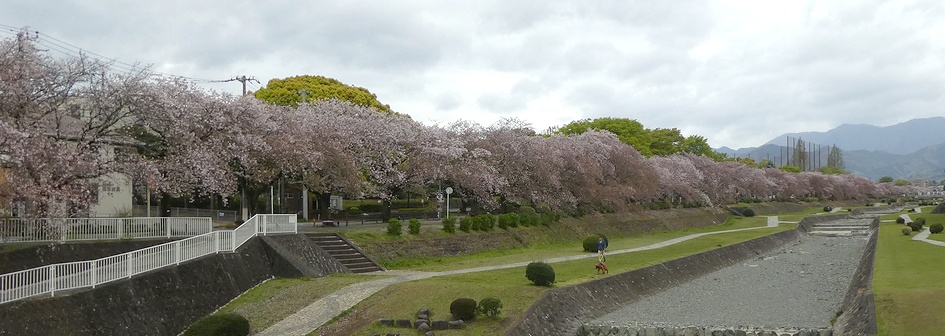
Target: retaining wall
x=561, y=311
x=859, y=311
x=311, y=261
x=161, y=302
x=16, y=258
x=808, y=222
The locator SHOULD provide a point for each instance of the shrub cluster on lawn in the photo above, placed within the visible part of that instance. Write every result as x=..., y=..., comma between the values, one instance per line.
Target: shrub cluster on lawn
x=590, y=242
x=828, y=208
x=225, y=324
x=414, y=226
x=449, y=224
x=463, y=309
x=490, y=307
x=540, y=273
x=900, y=220
x=527, y=216
x=394, y=227
x=936, y=228
x=906, y=230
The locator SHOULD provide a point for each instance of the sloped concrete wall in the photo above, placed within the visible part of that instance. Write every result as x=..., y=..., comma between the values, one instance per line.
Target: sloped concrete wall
x=14, y=258
x=859, y=309
x=162, y=302
x=299, y=251
x=562, y=310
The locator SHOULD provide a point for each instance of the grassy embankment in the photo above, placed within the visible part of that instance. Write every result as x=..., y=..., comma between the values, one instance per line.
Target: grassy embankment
x=909, y=281
x=401, y=301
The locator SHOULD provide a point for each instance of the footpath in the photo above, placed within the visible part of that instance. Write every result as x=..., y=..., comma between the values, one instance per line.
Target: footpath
x=323, y=310
x=924, y=235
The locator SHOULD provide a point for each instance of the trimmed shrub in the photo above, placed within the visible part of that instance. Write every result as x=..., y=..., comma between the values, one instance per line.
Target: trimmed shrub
x=916, y=227
x=465, y=224
x=906, y=230
x=828, y=208
x=935, y=228
x=449, y=224
x=490, y=307
x=900, y=220
x=394, y=227
x=920, y=221
x=486, y=222
x=225, y=324
x=527, y=216
x=590, y=242
x=540, y=273
x=508, y=220
x=463, y=309
x=414, y=226
x=748, y=213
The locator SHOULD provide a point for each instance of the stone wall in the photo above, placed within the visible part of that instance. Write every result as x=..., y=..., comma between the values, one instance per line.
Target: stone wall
x=161, y=302
x=312, y=261
x=14, y=258
x=859, y=311
x=808, y=222
x=587, y=330
x=561, y=311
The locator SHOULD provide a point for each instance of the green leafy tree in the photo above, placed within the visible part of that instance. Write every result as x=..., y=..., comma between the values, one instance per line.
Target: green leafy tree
x=629, y=131
x=901, y=182
x=660, y=141
x=292, y=90
x=885, y=179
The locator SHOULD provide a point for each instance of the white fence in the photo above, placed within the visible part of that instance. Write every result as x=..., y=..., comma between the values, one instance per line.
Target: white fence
x=51, y=279
x=19, y=230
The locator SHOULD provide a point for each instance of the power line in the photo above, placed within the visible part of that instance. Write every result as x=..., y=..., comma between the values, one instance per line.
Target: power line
x=71, y=50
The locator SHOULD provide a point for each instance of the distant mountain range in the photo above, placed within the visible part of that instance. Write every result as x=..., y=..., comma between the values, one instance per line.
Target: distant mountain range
x=908, y=150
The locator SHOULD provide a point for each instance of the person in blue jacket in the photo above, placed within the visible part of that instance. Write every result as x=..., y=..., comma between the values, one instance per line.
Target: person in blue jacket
x=601, y=246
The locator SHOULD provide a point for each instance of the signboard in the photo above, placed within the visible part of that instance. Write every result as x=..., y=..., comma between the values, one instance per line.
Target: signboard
x=336, y=202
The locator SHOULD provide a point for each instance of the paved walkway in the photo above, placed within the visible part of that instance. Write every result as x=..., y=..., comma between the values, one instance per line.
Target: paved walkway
x=320, y=312
x=924, y=235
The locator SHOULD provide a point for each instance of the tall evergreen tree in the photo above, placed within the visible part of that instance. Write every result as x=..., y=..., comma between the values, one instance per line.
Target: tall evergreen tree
x=835, y=158
x=799, y=155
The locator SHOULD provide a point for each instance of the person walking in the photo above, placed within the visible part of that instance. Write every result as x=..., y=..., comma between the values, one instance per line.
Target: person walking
x=601, y=246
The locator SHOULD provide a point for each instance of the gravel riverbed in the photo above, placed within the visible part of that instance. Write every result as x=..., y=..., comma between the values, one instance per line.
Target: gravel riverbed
x=800, y=285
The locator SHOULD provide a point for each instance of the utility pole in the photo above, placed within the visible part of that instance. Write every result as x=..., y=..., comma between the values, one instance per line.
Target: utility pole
x=304, y=94
x=244, y=194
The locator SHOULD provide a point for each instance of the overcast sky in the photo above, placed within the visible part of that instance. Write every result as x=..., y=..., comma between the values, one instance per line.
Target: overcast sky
x=736, y=72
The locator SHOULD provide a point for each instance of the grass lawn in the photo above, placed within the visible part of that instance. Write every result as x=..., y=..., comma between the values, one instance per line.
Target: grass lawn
x=276, y=299
x=560, y=249
x=401, y=301
x=809, y=212
x=908, y=282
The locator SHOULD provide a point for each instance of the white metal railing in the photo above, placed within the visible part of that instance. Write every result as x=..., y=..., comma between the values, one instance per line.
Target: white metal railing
x=50, y=279
x=20, y=230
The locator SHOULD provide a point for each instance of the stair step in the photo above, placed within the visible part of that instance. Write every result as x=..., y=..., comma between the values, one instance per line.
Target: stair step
x=840, y=228
x=344, y=253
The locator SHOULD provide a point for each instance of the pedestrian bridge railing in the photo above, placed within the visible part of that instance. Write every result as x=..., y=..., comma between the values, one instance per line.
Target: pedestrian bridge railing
x=53, y=279
x=23, y=230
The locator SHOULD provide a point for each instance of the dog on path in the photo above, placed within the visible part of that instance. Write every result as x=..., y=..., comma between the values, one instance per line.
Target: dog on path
x=602, y=268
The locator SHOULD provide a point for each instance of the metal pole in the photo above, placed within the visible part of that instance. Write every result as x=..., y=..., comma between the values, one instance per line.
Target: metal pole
x=272, y=204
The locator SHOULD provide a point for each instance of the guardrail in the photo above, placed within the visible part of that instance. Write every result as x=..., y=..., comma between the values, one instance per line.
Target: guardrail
x=22, y=230
x=51, y=279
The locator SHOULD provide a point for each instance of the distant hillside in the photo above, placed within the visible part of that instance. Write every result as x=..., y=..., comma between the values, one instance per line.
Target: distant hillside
x=908, y=150
x=902, y=138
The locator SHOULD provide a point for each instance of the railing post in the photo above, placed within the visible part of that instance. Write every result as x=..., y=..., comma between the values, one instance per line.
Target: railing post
x=94, y=274
x=167, y=224
x=177, y=252
x=265, y=224
x=129, y=265
x=52, y=280
x=121, y=228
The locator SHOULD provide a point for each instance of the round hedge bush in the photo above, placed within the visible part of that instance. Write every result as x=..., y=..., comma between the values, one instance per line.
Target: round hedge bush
x=541, y=273
x=920, y=221
x=935, y=228
x=490, y=307
x=225, y=324
x=449, y=224
x=900, y=220
x=590, y=243
x=828, y=208
x=394, y=227
x=906, y=230
x=463, y=309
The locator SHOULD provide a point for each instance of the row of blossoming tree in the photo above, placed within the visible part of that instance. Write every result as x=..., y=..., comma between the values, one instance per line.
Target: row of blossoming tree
x=64, y=123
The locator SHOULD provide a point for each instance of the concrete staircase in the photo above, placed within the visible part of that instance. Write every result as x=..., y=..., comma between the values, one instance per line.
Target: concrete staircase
x=842, y=228
x=344, y=252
